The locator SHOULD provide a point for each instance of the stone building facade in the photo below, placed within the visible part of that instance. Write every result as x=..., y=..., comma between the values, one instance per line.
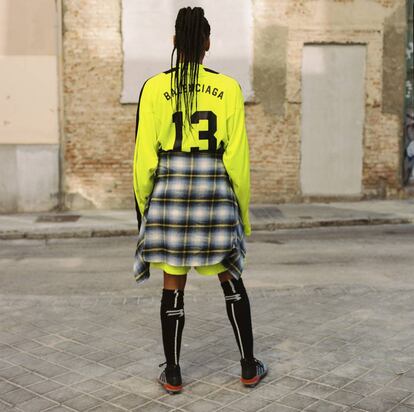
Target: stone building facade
x=99, y=130
x=97, y=134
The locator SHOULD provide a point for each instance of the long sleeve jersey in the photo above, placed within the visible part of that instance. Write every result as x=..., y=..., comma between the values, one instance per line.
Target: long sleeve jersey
x=220, y=122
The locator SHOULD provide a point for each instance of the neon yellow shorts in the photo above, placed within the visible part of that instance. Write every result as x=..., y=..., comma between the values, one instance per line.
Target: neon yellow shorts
x=183, y=270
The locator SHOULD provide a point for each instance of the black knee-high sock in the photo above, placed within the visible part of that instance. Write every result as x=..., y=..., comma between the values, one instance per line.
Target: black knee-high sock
x=172, y=323
x=238, y=311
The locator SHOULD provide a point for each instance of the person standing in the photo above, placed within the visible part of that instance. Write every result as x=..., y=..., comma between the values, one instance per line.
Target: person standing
x=191, y=179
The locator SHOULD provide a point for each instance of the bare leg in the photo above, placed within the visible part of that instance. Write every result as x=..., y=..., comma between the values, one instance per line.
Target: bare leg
x=226, y=275
x=173, y=282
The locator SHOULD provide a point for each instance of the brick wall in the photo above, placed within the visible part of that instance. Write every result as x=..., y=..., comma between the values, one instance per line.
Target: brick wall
x=99, y=130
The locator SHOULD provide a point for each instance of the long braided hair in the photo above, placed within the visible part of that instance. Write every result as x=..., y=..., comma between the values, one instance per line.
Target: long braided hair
x=191, y=31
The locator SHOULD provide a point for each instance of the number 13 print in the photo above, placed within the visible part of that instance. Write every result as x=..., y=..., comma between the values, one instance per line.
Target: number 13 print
x=203, y=134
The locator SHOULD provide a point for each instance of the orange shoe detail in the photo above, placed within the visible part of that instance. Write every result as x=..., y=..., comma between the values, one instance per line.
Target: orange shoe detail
x=251, y=381
x=171, y=388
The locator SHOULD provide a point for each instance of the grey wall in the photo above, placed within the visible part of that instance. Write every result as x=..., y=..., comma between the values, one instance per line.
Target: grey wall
x=29, y=177
x=332, y=119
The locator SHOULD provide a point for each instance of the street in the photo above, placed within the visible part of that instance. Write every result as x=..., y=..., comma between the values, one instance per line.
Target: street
x=332, y=309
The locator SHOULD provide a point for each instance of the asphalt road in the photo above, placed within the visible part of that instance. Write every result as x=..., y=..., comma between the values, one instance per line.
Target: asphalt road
x=366, y=255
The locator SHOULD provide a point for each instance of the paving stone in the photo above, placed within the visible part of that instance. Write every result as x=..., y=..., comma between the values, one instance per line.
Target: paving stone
x=108, y=392
x=409, y=401
x=249, y=403
x=6, y=386
x=44, y=386
x=89, y=385
x=62, y=394
x=375, y=404
x=50, y=339
x=350, y=370
x=60, y=358
x=106, y=407
x=277, y=407
x=331, y=344
x=83, y=402
x=7, y=408
x=94, y=370
x=333, y=380
x=98, y=355
x=316, y=390
x=324, y=406
x=383, y=400
x=70, y=378
x=271, y=392
x=379, y=376
x=402, y=408
x=344, y=397
x=404, y=382
x=200, y=405
x=27, y=379
x=59, y=408
x=200, y=372
x=297, y=400
x=114, y=377
x=74, y=362
x=37, y=405
x=12, y=372
x=4, y=364
x=129, y=401
x=201, y=389
x=141, y=386
x=290, y=382
x=116, y=361
x=392, y=394
x=220, y=378
x=21, y=359
x=48, y=369
x=291, y=345
x=17, y=396
x=223, y=396
x=74, y=347
x=361, y=387
x=153, y=407
x=306, y=373
x=324, y=365
x=177, y=401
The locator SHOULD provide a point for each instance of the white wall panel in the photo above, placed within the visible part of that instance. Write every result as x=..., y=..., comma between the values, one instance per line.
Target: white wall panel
x=148, y=29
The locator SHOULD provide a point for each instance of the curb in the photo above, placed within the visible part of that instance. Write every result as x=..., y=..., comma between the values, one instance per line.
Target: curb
x=269, y=226
x=332, y=223
x=67, y=234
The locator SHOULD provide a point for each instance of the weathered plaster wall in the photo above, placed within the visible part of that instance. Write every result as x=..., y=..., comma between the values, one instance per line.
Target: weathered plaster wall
x=29, y=109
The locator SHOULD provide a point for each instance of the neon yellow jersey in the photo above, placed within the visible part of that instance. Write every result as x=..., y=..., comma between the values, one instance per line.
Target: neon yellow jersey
x=219, y=124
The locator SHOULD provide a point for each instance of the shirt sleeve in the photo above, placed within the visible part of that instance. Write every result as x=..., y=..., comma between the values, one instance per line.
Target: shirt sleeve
x=236, y=159
x=146, y=149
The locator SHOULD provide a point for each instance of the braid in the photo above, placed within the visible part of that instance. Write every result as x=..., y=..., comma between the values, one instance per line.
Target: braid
x=191, y=31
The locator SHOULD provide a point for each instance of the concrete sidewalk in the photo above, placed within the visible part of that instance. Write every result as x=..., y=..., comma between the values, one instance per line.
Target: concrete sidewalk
x=102, y=223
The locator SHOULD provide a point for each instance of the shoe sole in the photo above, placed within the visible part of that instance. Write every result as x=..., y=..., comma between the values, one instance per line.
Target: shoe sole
x=171, y=388
x=251, y=383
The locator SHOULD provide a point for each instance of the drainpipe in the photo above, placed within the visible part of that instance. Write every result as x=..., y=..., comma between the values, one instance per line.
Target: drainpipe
x=59, y=39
